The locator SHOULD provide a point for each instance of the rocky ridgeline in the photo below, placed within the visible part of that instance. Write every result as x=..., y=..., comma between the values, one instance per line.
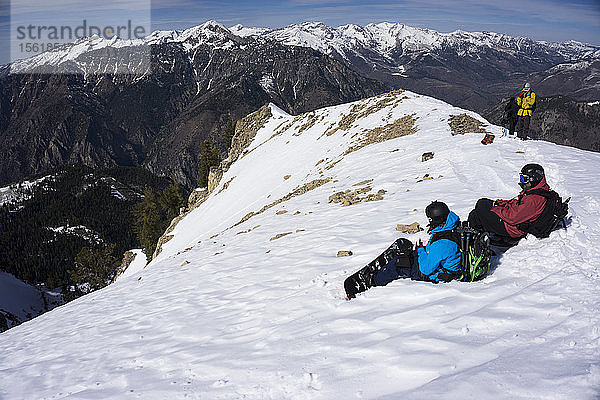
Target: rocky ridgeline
x=245, y=131
x=356, y=123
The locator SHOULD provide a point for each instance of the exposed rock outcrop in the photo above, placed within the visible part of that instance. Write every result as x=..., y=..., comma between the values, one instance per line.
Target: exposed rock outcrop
x=401, y=127
x=128, y=258
x=350, y=197
x=245, y=131
x=280, y=235
x=463, y=123
x=410, y=229
x=296, y=192
x=427, y=156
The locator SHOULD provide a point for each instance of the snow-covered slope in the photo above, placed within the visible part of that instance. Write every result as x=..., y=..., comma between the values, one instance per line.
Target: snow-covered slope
x=20, y=302
x=246, y=300
x=19, y=192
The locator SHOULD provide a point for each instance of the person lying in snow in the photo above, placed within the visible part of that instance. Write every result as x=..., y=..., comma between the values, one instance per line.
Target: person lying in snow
x=502, y=217
x=439, y=261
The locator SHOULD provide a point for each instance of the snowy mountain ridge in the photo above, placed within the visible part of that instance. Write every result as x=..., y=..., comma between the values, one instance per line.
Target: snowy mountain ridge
x=246, y=300
x=393, y=39
x=389, y=40
x=211, y=32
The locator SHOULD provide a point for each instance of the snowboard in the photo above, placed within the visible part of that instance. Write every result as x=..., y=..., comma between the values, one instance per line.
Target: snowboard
x=488, y=139
x=362, y=280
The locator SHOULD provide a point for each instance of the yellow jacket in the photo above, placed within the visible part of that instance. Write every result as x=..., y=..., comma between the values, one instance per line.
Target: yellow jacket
x=526, y=102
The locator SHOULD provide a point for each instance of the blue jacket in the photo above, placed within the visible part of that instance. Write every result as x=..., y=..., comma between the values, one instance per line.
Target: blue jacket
x=441, y=254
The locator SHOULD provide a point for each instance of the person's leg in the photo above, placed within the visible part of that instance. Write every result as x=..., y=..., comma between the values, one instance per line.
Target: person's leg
x=520, y=125
x=482, y=206
x=512, y=126
x=484, y=219
x=399, y=267
x=415, y=272
x=405, y=262
x=526, y=121
x=386, y=274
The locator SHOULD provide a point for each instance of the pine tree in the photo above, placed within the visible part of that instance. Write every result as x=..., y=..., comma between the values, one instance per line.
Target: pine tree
x=94, y=268
x=171, y=199
x=209, y=157
x=148, y=224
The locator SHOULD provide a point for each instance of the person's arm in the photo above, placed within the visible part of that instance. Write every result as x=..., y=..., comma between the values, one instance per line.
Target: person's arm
x=431, y=257
x=514, y=213
x=532, y=101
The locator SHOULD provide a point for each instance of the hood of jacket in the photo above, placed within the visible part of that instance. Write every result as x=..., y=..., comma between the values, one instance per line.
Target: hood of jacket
x=452, y=220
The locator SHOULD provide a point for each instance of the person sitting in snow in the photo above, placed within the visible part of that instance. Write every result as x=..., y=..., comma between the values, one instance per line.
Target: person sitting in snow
x=502, y=217
x=439, y=261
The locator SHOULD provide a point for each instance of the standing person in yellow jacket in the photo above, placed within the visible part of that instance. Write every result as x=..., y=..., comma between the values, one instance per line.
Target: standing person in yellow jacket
x=526, y=102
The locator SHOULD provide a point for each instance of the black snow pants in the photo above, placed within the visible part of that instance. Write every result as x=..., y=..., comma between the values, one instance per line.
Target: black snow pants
x=484, y=219
x=523, y=127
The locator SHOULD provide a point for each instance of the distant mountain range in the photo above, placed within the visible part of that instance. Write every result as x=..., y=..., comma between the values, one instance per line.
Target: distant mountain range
x=197, y=81
x=201, y=78
x=474, y=70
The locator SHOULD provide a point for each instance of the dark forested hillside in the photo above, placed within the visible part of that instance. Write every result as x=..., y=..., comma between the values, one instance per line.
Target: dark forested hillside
x=74, y=207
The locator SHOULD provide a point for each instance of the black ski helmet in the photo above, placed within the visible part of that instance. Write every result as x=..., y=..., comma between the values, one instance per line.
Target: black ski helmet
x=437, y=212
x=531, y=173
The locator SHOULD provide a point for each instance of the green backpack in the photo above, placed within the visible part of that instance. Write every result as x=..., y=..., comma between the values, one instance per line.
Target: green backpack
x=475, y=252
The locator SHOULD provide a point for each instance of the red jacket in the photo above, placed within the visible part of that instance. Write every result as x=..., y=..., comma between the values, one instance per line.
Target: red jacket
x=524, y=208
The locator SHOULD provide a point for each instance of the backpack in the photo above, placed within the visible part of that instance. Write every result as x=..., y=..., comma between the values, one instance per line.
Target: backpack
x=555, y=211
x=475, y=252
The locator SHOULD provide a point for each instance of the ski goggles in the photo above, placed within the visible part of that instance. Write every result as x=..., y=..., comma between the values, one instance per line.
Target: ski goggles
x=524, y=179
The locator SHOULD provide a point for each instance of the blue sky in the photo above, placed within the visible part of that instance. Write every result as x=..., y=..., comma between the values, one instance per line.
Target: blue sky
x=548, y=20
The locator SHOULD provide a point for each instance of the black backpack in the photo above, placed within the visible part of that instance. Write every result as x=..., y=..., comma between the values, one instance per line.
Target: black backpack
x=555, y=212
x=475, y=252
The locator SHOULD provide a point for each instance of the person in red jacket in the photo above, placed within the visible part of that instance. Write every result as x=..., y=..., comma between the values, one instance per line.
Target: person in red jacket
x=502, y=217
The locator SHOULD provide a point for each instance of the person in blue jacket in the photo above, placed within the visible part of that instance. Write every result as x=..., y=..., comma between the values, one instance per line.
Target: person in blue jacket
x=438, y=261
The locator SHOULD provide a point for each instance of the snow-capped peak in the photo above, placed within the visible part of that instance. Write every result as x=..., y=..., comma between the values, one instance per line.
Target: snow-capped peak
x=243, y=31
x=210, y=29
x=388, y=38
x=385, y=38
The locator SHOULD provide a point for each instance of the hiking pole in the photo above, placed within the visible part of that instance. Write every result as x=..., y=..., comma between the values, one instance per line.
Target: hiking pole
x=468, y=255
x=463, y=252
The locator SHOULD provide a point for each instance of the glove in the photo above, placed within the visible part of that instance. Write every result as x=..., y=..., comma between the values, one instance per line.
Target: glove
x=419, y=245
